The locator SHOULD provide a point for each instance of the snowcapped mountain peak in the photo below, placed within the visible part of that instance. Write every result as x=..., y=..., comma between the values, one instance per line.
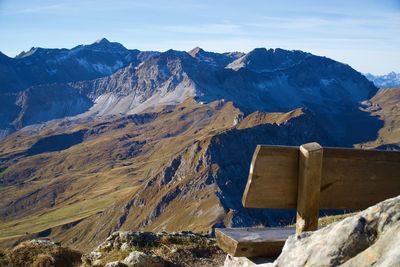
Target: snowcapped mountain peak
x=392, y=79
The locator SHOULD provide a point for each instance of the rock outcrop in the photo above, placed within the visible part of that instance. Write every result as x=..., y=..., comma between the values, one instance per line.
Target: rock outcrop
x=147, y=249
x=369, y=238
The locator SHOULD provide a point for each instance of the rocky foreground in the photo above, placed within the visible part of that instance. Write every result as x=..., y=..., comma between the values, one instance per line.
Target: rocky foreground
x=155, y=249
x=121, y=249
x=368, y=238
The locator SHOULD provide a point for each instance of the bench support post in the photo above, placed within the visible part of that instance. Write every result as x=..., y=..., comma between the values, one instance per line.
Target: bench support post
x=310, y=169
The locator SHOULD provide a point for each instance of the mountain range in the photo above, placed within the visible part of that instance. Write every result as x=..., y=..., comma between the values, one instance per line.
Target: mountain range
x=99, y=138
x=389, y=80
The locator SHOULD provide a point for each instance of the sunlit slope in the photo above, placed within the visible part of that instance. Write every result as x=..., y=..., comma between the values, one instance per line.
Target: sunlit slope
x=386, y=105
x=157, y=170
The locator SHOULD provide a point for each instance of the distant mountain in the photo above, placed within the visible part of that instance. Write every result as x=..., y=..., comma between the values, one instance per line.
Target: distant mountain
x=263, y=60
x=40, y=66
x=214, y=59
x=261, y=80
x=389, y=80
x=83, y=62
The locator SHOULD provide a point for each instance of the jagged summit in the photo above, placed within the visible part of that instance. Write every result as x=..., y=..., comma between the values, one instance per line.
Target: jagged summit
x=105, y=45
x=25, y=53
x=175, y=53
x=212, y=59
x=195, y=51
x=30, y=52
x=102, y=41
x=266, y=60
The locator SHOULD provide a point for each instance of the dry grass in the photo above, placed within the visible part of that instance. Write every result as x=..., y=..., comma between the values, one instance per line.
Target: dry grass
x=115, y=255
x=92, y=182
x=329, y=219
x=37, y=255
x=4, y=257
x=99, y=175
x=389, y=111
x=326, y=220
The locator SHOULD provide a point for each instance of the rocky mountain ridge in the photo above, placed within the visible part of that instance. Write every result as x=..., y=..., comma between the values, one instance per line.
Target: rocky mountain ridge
x=261, y=80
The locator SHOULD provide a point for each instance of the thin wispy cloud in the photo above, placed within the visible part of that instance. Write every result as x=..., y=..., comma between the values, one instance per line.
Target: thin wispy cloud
x=40, y=9
x=333, y=28
x=204, y=29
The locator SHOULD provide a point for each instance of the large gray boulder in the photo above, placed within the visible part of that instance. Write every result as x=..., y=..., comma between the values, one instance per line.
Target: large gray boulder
x=140, y=259
x=370, y=238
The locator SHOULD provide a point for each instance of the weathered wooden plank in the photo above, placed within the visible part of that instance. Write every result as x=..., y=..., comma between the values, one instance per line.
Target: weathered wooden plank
x=356, y=179
x=310, y=170
x=272, y=181
x=253, y=242
x=351, y=178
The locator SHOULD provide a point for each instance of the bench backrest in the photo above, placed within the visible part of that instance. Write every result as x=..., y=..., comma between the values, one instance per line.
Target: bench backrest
x=344, y=178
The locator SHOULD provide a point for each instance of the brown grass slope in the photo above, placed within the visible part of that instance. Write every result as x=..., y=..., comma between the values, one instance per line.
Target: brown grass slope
x=386, y=105
x=39, y=253
x=151, y=171
x=123, y=174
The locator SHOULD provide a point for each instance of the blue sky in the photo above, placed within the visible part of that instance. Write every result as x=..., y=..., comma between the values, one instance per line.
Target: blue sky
x=364, y=34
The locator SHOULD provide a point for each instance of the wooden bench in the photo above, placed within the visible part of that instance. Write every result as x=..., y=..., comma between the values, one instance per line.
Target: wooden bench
x=309, y=178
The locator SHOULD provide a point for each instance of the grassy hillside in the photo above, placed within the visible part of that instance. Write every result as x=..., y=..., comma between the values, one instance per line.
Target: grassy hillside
x=163, y=169
x=386, y=105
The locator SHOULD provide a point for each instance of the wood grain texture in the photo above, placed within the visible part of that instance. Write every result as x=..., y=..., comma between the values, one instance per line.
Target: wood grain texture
x=356, y=179
x=351, y=178
x=310, y=170
x=272, y=181
x=252, y=242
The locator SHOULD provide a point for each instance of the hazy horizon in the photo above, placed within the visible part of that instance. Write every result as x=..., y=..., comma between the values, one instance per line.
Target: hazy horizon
x=363, y=34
